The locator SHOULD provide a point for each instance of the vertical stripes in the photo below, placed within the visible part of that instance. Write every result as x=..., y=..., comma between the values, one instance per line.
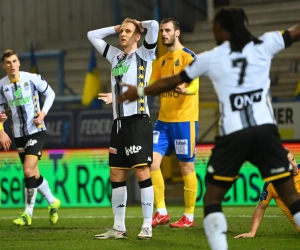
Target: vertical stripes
x=141, y=74
x=20, y=113
x=192, y=138
x=119, y=89
x=249, y=110
x=244, y=118
x=221, y=120
x=36, y=104
x=269, y=105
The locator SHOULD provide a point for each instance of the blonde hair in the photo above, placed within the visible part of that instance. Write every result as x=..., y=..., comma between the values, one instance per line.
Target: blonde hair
x=130, y=20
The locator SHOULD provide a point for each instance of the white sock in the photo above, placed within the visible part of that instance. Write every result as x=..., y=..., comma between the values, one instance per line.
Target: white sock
x=162, y=211
x=147, y=200
x=189, y=216
x=45, y=191
x=215, y=226
x=297, y=219
x=118, y=202
x=30, y=196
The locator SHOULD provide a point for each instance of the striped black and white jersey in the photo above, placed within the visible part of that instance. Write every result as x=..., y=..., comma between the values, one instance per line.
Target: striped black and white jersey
x=134, y=68
x=22, y=100
x=241, y=81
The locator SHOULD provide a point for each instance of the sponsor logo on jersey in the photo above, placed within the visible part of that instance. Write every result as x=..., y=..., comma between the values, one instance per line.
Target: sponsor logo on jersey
x=120, y=69
x=18, y=93
x=30, y=143
x=169, y=94
x=19, y=102
x=132, y=150
x=243, y=100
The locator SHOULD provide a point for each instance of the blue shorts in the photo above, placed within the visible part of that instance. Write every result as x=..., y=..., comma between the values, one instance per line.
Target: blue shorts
x=180, y=137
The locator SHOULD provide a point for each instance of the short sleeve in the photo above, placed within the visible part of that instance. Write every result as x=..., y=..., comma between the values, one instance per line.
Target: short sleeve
x=40, y=83
x=198, y=67
x=155, y=72
x=267, y=194
x=147, y=54
x=2, y=98
x=273, y=42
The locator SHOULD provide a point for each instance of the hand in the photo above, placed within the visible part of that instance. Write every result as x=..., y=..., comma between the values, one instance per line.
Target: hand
x=117, y=28
x=180, y=89
x=130, y=95
x=5, y=142
x=245, y=235
x=3, y=116
x=39, y=118
x=139, y=24
x=106, y=97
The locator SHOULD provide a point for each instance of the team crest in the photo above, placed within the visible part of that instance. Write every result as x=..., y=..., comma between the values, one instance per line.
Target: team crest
x=26, y=85
x=177, y=62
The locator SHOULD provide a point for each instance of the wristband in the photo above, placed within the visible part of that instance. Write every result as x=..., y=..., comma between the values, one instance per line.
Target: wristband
x=1, y=126
x=140, y=91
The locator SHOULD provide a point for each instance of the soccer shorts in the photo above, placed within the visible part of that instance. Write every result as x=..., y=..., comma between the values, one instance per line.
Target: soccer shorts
x=180, y=137
x=131, y=143
x=30, y=145
x=260, y=145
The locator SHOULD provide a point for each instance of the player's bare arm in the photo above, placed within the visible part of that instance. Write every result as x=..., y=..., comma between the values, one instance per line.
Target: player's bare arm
x=295, y=32
x=257, y=216
x=160, y=86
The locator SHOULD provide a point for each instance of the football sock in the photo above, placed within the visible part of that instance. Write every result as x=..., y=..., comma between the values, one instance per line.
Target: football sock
x=190, y=192
x=215, y=227
x=159, y=191
x=118, y=202
x=147, y=199
x=44, y=190
x=30, y=194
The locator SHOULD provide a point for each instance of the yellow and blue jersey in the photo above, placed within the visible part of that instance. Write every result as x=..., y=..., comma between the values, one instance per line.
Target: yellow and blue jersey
x=175, y=107
x=270, y=193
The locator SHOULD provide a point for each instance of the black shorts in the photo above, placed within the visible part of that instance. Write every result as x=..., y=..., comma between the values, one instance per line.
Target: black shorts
x=30, y=145
x=259, y=145
x=132, y=144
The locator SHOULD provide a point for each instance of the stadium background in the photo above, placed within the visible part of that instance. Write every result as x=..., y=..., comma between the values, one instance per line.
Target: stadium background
x=50, y=37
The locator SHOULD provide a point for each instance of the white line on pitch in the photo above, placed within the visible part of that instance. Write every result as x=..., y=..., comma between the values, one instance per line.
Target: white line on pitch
x=128, y=216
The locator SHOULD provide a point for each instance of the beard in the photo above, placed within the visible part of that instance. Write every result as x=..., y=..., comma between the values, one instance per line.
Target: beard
x=170, y=42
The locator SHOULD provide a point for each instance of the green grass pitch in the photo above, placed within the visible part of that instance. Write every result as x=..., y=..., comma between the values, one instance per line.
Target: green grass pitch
x=76, y=227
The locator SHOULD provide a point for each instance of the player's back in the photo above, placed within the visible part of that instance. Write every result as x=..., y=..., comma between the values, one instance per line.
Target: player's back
x=241, y=81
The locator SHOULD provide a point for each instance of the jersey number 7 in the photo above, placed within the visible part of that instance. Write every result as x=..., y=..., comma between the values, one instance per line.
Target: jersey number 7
x=242, y=63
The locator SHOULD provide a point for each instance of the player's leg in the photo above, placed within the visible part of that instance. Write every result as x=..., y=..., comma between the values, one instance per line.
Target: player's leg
x=138, y=140
x=25, y=218
x=42, y=184
x=147, y=199
x=227, y=157
x=285, y=188
x=160, y=148
x=276, y=168
x=118, y=173
x=184, y=136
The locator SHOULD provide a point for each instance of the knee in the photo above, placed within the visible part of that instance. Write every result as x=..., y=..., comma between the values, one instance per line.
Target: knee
x=28, y=170
x=186, y=168
x=215, y=190
x=142, y=173
x=117, y=175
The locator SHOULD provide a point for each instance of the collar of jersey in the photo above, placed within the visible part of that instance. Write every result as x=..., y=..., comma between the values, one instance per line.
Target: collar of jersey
x=14, y=80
